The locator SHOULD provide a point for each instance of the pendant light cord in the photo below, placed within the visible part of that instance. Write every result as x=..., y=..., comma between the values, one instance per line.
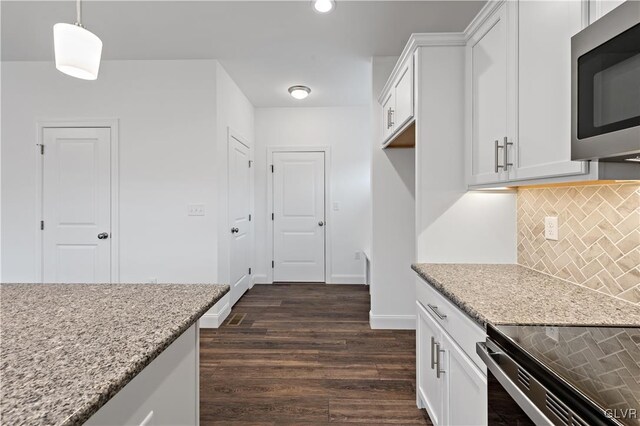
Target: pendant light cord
x=78, y=13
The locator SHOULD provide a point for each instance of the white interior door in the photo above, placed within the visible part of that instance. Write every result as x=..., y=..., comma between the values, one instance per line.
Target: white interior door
x=299, y=216
x=239, y=223
x=76, y=205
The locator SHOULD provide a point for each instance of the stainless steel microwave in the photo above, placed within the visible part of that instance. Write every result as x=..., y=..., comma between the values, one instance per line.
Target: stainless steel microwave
x=605, y=87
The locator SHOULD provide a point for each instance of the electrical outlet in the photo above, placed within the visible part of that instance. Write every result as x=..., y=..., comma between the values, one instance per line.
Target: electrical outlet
x=195, y=210
x=552, y=333
x=152, y=281
x=336, y=207
x=551, y=228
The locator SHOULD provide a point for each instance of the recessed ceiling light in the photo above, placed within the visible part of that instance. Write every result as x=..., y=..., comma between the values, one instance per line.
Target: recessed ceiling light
x=323, y=6
x=299, y=92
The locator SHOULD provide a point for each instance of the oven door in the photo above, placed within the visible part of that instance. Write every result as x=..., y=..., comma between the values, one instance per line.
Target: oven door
x=606, y=87
x=507, y=403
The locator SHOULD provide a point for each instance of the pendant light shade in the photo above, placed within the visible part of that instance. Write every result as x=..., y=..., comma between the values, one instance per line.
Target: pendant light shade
x=77, y=50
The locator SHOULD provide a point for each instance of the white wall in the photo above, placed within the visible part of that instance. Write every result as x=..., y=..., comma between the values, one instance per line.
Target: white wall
x=234, y=111
x=393, y=220
x=347, y=131
x=452, y=224
x=168, y=159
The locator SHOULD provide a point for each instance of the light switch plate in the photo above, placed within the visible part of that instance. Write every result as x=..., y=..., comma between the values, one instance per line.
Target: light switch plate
x=195, y=210
x=336, y=207
x=551, y=228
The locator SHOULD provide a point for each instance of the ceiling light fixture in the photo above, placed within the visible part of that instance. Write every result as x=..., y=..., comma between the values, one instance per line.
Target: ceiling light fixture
x=299, y=92
x=77, y=50
x=323, y=6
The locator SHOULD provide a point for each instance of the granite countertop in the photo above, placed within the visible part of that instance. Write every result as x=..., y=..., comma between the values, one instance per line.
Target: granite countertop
x=66, y=349
x=513, y=294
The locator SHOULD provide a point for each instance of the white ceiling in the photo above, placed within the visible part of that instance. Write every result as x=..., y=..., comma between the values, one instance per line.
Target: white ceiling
x=266, y=46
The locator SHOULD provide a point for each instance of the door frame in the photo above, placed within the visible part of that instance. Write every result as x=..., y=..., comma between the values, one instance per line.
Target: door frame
x=233, y=134
x=111, y=123
x=327, y=202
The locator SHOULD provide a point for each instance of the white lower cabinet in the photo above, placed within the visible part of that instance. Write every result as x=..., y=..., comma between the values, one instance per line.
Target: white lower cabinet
x=450, y=384
x=466, y=394
x=429, y=386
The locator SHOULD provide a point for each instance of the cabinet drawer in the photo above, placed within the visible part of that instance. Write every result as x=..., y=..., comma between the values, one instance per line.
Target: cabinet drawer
x=462, y=329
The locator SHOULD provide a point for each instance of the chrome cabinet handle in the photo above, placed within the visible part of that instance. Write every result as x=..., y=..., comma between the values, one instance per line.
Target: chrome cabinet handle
x=391, y=123
x=436, y=311
x=234, y=230
x=433, y=344
x=497, y=157
x=505, y=154
x=103, y=236
x=439, y=371
x=321, y=223
x=389, y=118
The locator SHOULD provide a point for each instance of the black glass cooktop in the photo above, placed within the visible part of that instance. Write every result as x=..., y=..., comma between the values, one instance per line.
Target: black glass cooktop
x=602, y=363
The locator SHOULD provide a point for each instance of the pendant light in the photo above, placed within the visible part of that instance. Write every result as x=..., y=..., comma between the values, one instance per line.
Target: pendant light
x=77, y=50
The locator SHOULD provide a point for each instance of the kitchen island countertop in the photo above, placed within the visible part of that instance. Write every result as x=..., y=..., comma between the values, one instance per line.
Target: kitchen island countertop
x=513, y=294
x=66, y=349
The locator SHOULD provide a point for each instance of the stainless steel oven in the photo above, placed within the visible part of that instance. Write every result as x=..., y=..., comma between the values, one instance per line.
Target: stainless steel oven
x=526, y=390
x=605, y=65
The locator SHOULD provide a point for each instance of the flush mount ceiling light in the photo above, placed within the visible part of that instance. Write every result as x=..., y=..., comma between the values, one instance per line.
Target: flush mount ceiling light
x=323, y=6
x=299, y=92
x=77, y=50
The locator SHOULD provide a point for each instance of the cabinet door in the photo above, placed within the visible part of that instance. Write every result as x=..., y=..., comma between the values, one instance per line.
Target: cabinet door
x=387, y=108
x=543, y=145
x=403, y=87
x=430, y=388
x=465, y=395
x=488, y=58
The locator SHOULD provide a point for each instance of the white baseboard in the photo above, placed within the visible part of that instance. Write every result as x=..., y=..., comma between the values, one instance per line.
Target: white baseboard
x=347, y=279
x=259, y=279
x=392, y=322
x=215, y=316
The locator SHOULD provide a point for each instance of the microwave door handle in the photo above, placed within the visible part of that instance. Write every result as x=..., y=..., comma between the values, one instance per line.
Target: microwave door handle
x=512, y=389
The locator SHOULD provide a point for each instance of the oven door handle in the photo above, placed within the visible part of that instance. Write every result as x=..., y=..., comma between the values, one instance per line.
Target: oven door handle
x=512, y=389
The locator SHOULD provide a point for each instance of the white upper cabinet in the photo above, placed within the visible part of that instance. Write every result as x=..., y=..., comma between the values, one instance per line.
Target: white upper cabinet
x=519, y=92
x=397, y=101
x=543, y=142
x=403, y=88
x=488, y=63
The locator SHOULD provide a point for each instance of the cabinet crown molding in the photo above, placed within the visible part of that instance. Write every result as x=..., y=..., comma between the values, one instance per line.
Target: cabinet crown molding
x=488, y=9
x=417, y=40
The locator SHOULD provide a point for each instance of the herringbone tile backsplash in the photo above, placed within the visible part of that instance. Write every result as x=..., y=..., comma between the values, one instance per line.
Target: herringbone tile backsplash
x=599, y=236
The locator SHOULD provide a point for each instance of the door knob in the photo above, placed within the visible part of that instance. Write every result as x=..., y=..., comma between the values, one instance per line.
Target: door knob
x=234, y=230
x=103, y=236
x=321, y=223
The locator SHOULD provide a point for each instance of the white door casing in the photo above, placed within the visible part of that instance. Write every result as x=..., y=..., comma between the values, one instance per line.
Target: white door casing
x=239, y=222
x=76, y=205
x=299, y=216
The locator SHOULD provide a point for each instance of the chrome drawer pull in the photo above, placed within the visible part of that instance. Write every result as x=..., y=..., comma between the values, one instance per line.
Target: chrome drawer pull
x=435, y=311
x=433, y=344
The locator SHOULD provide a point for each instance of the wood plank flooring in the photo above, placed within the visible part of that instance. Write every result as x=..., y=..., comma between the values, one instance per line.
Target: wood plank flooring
x=304, y=354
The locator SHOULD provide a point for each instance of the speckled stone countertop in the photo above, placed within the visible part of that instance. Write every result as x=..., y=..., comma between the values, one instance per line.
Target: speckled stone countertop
x=513, y=294
x=66, y=349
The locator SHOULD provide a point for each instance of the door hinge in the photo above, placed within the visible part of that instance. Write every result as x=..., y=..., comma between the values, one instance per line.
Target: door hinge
x=273, y=264
x=42, y=225
x=41, y=149
x=249, y=271
x=272, y=168
x=249, y=217
x=272, y=216
x=250, y=163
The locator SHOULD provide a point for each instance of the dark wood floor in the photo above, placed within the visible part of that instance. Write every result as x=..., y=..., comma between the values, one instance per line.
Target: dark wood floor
x=304, y=354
